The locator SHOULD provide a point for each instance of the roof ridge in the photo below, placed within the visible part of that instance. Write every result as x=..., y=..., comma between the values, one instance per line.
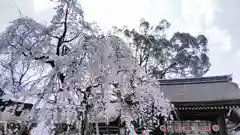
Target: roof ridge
x=196, y=80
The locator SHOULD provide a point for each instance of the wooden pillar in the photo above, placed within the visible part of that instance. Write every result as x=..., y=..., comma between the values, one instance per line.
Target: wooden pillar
x=222, y=124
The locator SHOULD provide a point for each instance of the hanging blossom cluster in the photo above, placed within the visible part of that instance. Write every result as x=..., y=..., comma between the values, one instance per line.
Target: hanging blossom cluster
x=73, y=74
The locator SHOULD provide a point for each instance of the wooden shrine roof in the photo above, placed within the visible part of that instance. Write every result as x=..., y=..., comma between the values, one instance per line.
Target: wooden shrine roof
x=201, y=90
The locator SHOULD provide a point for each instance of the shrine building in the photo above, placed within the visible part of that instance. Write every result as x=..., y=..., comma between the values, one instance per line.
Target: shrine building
x=203, y=106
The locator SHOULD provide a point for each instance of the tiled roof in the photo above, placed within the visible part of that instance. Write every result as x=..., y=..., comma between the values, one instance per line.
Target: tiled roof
x=15, y=107
x=204, y=89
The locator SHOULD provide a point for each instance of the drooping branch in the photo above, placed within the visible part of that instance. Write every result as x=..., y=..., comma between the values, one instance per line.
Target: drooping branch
x=46, y=60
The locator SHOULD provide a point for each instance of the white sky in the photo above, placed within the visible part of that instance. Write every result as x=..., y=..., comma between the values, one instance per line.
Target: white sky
x=217, y=19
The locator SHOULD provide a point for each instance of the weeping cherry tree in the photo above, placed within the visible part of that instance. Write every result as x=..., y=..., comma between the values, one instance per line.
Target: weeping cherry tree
x=73, y=75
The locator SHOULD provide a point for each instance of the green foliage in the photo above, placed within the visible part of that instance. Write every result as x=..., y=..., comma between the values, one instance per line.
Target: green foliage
x=179, y=56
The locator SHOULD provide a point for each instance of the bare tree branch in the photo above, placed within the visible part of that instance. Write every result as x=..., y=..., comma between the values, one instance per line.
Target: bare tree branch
x=61, y=39
x=70, y=40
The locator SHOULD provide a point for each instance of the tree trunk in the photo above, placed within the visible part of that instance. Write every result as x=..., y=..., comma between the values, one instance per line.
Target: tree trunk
x=85, y=124
x=97, y=129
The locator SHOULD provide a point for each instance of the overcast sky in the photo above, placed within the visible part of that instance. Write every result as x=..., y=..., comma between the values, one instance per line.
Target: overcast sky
x=217, y=19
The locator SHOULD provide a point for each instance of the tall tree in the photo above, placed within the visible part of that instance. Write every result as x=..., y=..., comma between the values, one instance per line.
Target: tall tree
x=73, y=74
x=181, y=55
